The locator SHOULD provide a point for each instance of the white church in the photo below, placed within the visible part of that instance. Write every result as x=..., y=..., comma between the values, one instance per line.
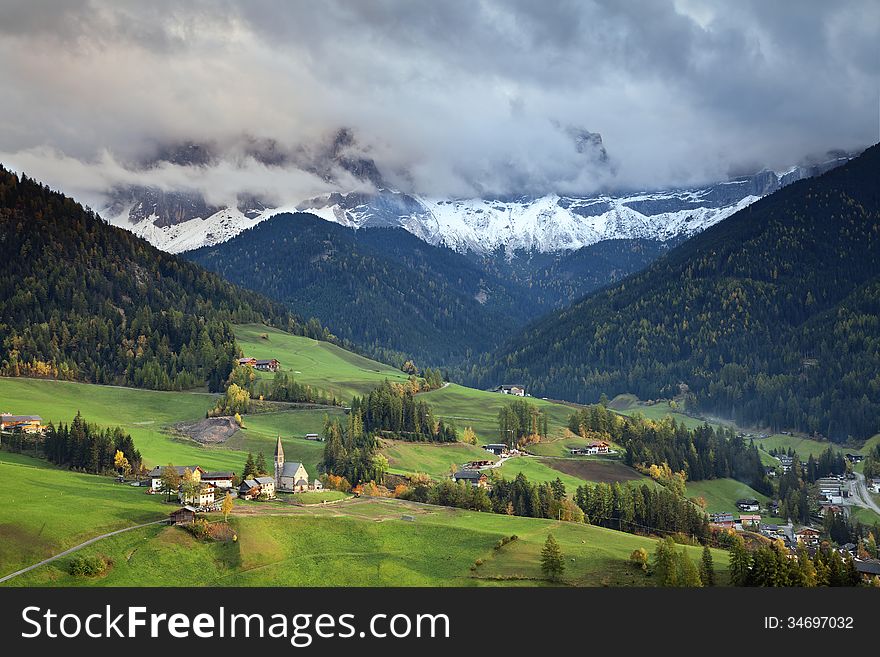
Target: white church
x=291, y=476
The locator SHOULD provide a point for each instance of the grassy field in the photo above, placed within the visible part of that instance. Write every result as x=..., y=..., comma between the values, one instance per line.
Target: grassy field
x=319, y=364
x=432, y=459
x=572, y=472
x=658, y=411
x=468, y=407
x=149, y=417
x=46, y=510
x=721, y=494
x=365, y=543
x=803, y=447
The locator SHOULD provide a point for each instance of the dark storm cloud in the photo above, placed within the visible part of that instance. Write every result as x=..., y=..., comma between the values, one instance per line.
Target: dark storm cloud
x=448, y=97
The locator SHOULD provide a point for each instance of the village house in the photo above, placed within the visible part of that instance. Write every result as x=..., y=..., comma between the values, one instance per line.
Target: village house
x=25, y=423
x=203, y=497
x=156, y=474
x=474, y=477
x=750, y=520
x=786, y=462
x=854, y=458
x=291, y=476
x=219, y=479
x=807, y=535
x=267, y=486
x=867, y=568
x=747, y=505
x=313, y=436
x=874, y=485
x=247, y=362
x=249, y=489
x=498, y=449
x=721, y=521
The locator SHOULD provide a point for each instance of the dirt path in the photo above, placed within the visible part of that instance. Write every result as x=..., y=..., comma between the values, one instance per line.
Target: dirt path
x=78, y=547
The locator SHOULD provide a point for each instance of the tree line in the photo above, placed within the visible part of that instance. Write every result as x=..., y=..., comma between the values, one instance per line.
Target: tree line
x=87, y=301
x=703, y=452
x=86, y=447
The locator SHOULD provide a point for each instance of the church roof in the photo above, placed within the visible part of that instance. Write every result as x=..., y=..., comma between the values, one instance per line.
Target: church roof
x=279, y=450
x=290, y=468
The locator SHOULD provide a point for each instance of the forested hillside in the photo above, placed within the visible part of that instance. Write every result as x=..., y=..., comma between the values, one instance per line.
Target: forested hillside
x=769, y=317
x=381, y=288
x=85, y=301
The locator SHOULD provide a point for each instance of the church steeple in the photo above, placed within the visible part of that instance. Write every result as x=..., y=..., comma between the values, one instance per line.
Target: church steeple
x=279, y=462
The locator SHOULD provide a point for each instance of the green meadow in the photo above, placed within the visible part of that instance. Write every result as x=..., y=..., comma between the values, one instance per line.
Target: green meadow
x=46, y=510
x=803, y=447
x=319, y=364
x=435, y=460
x=478, y=409
x=365, y=543
x=721, y=494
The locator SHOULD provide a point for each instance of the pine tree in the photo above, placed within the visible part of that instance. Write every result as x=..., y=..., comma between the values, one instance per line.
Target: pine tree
x=707, y=570
x=552, y=560
x=261, y=464
x=250, y=468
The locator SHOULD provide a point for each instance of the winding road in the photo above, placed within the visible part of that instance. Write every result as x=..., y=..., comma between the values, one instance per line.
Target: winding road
x=79, y=547
x=863, y=495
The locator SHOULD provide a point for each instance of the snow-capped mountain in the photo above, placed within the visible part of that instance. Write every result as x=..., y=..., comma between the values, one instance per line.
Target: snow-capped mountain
x=546, y=224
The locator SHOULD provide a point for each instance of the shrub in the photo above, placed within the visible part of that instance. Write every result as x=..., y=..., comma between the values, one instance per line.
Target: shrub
x=81, y=566
x=199, y=528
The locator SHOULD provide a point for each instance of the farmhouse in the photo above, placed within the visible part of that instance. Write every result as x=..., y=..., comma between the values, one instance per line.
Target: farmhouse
x=313, y=436
x=26, y=423
x=506, y=389
x=219, y=479
x=786, y=462
x=156, y=474
x=290, y=477
x=497, y=449
x=474, y=477
x=268, y=365
x=747, y=505
x=264, y=365
x=854, y=458
x=595, y=447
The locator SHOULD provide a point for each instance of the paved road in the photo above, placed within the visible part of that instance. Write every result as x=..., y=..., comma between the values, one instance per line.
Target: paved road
x=78, y=547
x=862, y=497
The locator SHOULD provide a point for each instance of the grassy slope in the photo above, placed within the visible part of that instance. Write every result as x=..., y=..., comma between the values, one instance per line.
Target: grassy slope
x=722, y=494
x=46, y=510
x=319, y=364
x=147, y=415
x=344, y=545
x=435, y=460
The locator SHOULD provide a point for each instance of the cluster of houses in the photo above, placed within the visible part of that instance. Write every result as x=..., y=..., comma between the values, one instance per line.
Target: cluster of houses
x=263, y=365
x=208, y=489
x=25, y=423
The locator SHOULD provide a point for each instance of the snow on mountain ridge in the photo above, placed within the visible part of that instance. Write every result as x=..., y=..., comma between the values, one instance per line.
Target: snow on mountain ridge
x=546, y=224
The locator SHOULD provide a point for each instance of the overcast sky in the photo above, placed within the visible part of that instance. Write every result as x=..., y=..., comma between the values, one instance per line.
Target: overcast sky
x=448, y=97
